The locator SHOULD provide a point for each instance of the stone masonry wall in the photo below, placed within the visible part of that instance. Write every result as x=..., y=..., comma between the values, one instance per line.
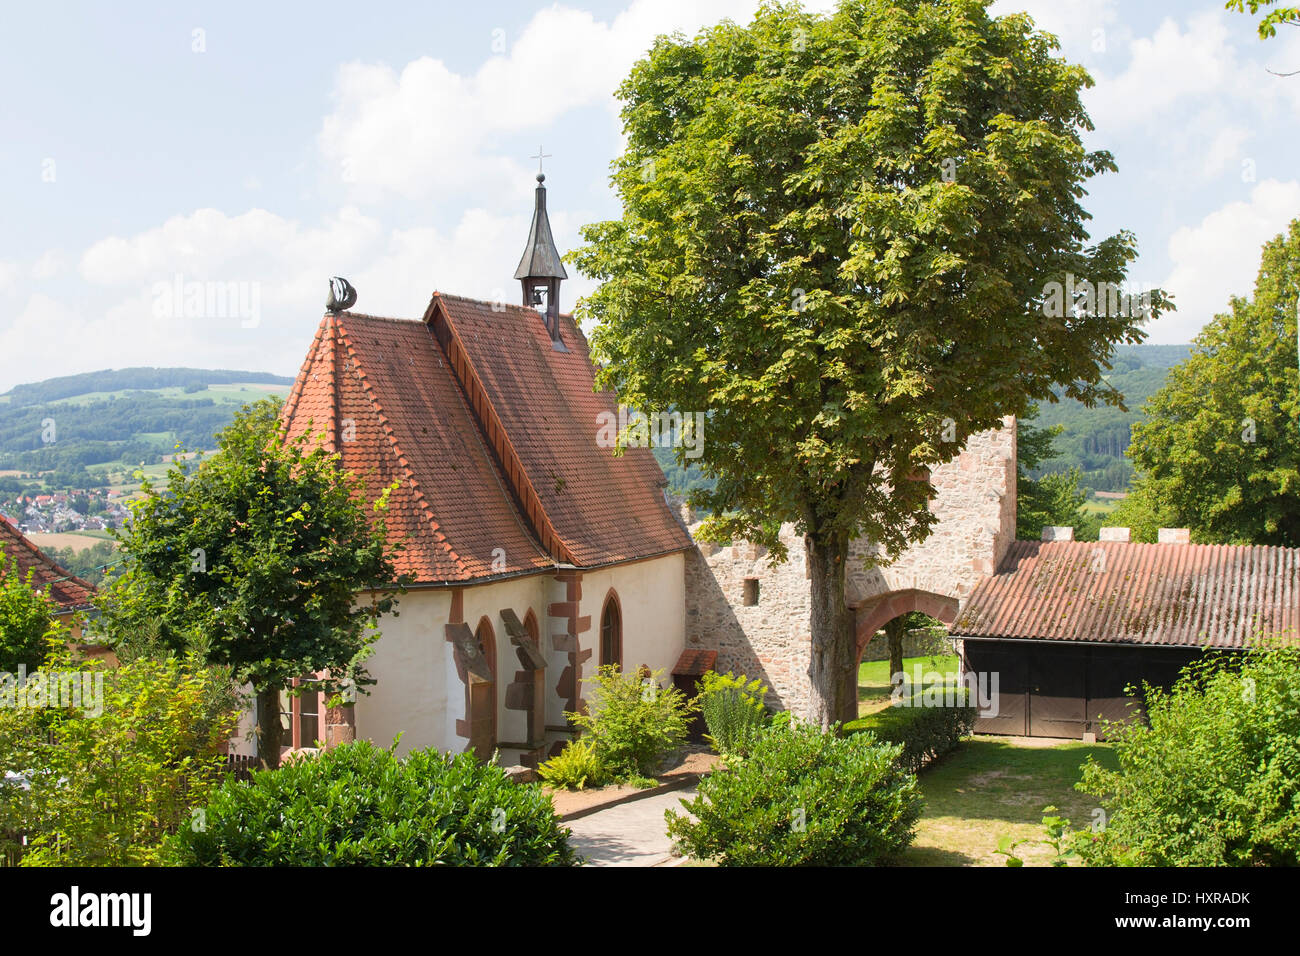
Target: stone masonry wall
x=771, y=640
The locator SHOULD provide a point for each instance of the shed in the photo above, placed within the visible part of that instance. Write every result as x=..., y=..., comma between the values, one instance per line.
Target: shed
x=1063, y=627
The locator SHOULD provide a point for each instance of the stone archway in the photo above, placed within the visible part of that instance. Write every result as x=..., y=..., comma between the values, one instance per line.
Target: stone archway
x=875, y=613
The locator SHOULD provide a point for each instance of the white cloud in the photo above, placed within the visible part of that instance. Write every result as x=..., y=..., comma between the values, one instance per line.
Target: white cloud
x=49, y=265
x=1172, y=65
x=1081, y=25
x=9, y=272
x=1219, y=257
x=121, y=308
x=429, y=129
x=1225, y=148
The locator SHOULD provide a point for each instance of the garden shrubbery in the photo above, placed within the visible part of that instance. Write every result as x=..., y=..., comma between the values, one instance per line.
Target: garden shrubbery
x=362, y=805
x=734, y=711
x=109, y=780
x=803, y=797
x=923, y=732
x=632, y=723
x=576, y=767
x=1214, y=778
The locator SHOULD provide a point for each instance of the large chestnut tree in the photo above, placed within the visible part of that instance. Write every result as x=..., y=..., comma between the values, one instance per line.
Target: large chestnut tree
x=838, y=238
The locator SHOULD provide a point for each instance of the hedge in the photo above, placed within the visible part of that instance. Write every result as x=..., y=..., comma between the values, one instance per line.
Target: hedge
x=362, y=805
x=925, y=732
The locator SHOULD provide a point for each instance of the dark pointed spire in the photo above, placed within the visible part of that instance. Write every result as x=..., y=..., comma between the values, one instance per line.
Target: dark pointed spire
x=540, y=269
x=541, y=260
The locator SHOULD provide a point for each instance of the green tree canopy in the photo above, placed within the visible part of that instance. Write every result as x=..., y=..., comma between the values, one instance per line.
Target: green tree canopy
x=1268, y=23
x=26, y=619
x=1053, y=500
x=840, y=236
x=255, y=558
x=1220, y=446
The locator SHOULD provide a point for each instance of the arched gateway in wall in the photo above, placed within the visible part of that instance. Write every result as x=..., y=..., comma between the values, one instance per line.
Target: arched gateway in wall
x=756, y=617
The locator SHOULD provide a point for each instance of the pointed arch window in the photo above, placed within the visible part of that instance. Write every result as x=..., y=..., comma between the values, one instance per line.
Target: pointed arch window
x=611, y=632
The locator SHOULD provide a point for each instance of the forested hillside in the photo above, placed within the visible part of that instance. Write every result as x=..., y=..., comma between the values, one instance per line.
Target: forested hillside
x=59, y=427
x=1094, y=439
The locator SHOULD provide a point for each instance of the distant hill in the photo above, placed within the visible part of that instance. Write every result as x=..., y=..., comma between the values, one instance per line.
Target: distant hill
x=1095, y=439
x=139, y=379
x=63, y=426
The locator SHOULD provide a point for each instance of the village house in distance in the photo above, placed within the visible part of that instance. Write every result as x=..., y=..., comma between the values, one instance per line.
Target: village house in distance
x=538, y=555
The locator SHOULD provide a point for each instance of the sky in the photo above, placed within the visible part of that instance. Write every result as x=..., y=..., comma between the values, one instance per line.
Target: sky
x=250, y=151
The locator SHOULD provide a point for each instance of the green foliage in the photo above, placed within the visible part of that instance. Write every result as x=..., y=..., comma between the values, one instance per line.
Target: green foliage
x=1055, y=498
x=108, y=788
x=803, y=797
x=1057, y=836
x=26, y=619
x=1220, y=446
x=1289, y=16
x=255, y=557
x=1214, y=779
x=1143, y=512
x=634, y=723
x=576, y=767
x=923, y=732
x=836, y=239
x=361, y=805
x=734, y=710
x=1094, y=439
x=87, y=563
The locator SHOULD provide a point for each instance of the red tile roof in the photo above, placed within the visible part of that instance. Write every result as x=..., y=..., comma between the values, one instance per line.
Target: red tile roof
x=491, y=435
x=71, y=593
x=695, y=663
x=1129, y=593
x=603, y=509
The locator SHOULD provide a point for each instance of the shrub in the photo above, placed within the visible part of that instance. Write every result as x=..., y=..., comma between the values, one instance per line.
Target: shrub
x=362, y=805
x=108, y=788
x=733, y=710
x=1214, y=779
x=633, y=722
x=26, y=619
x=923, y=732
x=803, y=798
x=575, y=768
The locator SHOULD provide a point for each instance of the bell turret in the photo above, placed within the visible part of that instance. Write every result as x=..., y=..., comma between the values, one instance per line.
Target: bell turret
x=540, y=269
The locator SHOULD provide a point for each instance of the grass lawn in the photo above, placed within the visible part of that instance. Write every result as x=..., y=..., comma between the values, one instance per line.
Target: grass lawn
x=993, y=786
x=873, y=678
x=1100, y=506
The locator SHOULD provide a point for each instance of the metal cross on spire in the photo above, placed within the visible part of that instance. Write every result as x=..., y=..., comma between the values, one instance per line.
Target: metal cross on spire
x=539, y=157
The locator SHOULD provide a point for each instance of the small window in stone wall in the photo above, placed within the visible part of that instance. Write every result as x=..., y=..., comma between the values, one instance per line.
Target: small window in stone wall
x=751, y=592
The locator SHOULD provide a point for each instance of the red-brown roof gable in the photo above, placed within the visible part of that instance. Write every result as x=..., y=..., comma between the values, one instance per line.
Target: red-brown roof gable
x=70, y=592
x=386, y=401
x=603, y=509
x=1129, y=593
x=491, y=439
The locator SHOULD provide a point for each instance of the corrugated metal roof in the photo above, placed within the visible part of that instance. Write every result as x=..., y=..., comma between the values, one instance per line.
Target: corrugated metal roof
x=1127, y=593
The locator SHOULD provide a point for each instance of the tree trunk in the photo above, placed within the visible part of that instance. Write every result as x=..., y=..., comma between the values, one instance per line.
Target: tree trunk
x=268, y=727
x=894, y=632
x=833, y=669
